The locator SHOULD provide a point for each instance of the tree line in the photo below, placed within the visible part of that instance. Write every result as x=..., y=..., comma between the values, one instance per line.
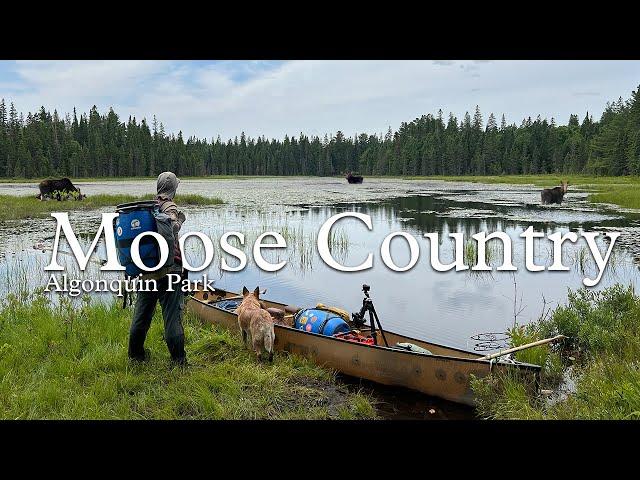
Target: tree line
x=43, y=144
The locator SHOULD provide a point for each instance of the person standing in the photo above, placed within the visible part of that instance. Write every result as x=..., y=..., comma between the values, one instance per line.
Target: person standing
x=172, y=302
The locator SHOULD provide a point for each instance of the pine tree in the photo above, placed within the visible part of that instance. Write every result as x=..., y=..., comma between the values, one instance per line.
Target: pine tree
x=3, y=116
x=41, y=144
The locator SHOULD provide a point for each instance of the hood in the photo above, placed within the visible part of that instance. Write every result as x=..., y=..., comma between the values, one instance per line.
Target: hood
x=167, y=184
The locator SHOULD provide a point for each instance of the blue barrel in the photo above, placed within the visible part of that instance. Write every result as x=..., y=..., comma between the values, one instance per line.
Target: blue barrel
x=320, y=321
x=134, y=219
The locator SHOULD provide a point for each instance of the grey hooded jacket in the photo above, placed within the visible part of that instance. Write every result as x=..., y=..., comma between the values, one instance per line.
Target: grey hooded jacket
x=166, y=191
x=167, y=186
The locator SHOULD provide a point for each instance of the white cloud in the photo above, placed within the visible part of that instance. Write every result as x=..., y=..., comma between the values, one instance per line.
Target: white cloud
x=318, y=97
x=55, y=81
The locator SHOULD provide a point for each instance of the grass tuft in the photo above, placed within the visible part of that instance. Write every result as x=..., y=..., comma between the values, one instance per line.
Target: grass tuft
x=70, y=362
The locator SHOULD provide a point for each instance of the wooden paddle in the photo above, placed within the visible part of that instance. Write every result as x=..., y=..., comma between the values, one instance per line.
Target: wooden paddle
x=521, y=347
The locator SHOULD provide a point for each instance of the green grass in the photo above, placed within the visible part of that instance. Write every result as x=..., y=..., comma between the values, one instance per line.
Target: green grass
x=70, y=362
x=20, y=207
x=547, y=180
x=627, y=196
x=601, y=355
x=623, y=191
x=523, y=334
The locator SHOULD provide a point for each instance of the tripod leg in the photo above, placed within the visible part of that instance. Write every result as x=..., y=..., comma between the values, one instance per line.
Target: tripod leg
x=373, y=310
x=374, y=334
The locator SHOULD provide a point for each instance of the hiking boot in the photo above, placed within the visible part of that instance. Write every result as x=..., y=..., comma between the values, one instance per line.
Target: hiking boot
x=180, y=362
x=141, y=358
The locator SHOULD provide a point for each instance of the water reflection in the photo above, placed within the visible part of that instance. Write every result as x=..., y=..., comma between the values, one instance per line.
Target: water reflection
x=445, y=307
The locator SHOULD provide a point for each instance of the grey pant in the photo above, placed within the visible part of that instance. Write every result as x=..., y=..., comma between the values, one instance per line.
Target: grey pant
x=172, y=304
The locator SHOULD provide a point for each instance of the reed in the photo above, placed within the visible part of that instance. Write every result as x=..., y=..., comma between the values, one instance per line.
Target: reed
x=583, y=259
x=493, y=251
x=301, y=253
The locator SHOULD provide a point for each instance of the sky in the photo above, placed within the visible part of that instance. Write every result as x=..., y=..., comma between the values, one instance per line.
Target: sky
x=278, y=98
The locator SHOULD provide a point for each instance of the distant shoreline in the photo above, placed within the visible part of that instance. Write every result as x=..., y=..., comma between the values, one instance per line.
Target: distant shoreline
x=617, y=190
x=537, y=179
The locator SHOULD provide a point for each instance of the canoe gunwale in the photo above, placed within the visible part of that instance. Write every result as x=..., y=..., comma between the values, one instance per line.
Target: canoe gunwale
x=525, y=366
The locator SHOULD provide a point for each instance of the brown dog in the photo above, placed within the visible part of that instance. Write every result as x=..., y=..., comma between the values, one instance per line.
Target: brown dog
x=257, y=323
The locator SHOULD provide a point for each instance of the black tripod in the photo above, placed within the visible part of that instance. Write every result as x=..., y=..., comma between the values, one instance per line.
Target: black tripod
x=367, y=306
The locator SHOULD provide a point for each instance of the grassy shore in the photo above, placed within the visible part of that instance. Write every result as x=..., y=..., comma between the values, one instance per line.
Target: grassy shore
x=70, y=362
x=622, y=191
x=627, y=196
x=547, y=180
x=599, y=357
x=20, y=207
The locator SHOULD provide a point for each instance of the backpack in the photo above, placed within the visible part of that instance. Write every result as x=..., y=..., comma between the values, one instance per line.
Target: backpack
x=136, y=218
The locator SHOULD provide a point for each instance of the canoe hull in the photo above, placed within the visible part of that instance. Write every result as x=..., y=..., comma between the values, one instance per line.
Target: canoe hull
x=439, y=375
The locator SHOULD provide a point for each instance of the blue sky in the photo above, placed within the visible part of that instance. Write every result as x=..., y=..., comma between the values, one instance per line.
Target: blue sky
x=274, y=98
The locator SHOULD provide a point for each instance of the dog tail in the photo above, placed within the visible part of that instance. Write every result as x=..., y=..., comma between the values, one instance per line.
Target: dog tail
x=269, y=337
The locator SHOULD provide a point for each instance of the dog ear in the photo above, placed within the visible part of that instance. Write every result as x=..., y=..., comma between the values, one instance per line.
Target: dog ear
x=245, y=291
x=256, y=292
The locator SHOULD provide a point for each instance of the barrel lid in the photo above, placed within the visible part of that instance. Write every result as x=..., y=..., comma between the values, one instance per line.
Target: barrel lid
x=141, y=204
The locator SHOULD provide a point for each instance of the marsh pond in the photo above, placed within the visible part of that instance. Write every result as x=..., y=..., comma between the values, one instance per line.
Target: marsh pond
x=447, y=307
x=452, y=308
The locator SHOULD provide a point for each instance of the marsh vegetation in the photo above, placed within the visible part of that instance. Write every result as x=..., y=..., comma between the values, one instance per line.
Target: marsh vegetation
x=592, y=374
x=445, y=308
x=21, y=207
x=69, y=361
x=623, y=191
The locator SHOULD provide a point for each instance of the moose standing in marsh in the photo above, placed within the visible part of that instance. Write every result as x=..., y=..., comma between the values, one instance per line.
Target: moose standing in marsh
x=554, y=195
x=60, y=189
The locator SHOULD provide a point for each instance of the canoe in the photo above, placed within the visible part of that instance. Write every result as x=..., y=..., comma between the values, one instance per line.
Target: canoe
x=445, y=373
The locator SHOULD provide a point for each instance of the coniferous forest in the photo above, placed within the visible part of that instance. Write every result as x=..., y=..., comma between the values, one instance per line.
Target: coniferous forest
x=44, y=144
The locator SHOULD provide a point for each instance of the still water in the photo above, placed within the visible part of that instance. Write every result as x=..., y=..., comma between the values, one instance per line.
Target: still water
x=448, y=308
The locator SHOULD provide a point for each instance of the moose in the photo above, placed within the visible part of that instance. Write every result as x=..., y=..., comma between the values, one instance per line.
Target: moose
x=554, y=195
x=351, y=178
x=59, y=189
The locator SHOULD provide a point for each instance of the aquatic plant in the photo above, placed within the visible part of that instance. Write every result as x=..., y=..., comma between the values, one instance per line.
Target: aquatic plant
x=493, y=250
x=301, y=241
x=582, y=259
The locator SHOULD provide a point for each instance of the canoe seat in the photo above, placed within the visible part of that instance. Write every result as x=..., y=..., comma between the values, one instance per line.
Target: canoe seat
x=411, y=348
